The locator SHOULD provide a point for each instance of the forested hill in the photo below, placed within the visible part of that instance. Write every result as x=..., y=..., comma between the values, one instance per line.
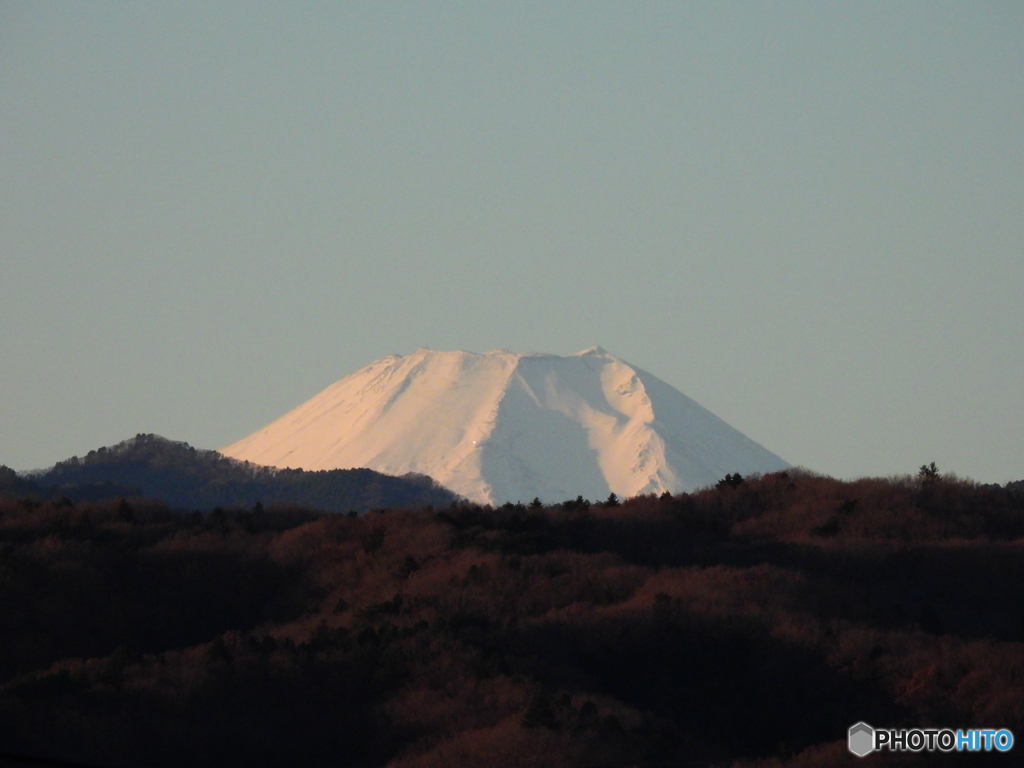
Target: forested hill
x=188, y=478
x=747, y=625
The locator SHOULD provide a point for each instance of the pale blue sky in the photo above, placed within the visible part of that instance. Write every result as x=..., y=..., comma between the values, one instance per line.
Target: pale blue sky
x=809, y=217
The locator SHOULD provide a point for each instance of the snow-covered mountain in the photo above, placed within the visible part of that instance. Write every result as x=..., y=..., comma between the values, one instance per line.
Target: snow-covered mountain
x=505, y=426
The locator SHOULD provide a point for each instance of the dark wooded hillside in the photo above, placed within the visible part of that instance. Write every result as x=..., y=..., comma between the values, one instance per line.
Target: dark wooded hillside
x=188, y=478
x=749, y=624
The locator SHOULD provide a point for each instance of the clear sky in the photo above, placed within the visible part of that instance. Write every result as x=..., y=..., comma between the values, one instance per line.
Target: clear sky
x=809, y=217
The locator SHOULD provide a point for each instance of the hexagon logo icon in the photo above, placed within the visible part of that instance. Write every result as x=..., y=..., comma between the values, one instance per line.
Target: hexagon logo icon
x=861, y=739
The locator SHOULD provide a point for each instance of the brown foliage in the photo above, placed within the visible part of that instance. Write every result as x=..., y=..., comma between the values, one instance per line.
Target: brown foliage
x=749, y=624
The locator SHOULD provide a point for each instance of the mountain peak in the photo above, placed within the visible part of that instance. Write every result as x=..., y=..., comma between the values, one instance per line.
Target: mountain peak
x=510, y=426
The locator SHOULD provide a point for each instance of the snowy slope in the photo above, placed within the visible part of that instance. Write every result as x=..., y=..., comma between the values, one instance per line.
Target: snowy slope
x=505, y=426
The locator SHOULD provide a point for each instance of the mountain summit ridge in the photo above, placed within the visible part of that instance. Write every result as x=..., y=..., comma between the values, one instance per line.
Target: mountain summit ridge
x=510, y=426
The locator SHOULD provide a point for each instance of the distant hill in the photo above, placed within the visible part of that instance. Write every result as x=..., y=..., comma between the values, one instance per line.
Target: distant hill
x=13, y=485
x=189, y=478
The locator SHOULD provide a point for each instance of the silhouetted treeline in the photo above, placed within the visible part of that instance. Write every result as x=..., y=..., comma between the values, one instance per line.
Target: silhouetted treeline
x=186, y=478
x=748, y=624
